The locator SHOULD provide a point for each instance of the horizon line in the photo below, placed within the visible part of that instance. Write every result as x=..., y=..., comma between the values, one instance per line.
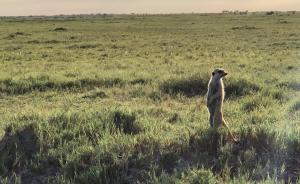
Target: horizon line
x=133, y=13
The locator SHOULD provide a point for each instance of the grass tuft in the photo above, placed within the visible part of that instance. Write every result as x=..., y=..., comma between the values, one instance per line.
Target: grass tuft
x=241, y=87
x=256, y=103
x=294, y=85
x=192, y=86
x=243, y=27
x=125, y=122
x=60, y=29
x=295, y=107
x=140, y=81
x=197, y=176
x=96, y=94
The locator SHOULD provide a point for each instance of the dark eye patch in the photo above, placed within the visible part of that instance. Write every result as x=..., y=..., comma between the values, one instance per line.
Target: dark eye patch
x=213, y=73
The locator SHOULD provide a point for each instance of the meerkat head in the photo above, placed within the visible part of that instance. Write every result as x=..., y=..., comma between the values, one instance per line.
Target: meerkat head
x=218, y=73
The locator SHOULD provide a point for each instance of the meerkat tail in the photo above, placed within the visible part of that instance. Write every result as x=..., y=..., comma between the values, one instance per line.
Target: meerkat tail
x=231, y=135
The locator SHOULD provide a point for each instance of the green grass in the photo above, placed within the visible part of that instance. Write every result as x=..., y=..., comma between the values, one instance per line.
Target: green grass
x=121, y=99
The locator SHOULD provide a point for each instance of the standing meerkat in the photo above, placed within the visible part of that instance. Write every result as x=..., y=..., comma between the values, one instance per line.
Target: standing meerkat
x=215, y=98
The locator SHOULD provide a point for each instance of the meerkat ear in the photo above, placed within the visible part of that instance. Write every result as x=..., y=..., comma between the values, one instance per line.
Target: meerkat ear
x=213, y=73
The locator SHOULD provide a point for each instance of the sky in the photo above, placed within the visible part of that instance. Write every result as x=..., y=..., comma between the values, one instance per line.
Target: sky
x=56, y=7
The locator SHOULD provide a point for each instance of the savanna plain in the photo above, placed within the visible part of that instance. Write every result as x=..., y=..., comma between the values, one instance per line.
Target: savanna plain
x=121, y=98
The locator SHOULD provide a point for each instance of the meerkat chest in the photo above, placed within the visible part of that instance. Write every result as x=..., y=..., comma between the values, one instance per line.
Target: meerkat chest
x=217, y=88
x=217, y=92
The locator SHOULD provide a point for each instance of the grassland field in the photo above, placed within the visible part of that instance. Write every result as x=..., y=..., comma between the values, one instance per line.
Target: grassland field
x=121, y=98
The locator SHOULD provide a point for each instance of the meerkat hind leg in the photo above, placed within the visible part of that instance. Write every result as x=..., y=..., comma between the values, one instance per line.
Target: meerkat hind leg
x=217, y=119
x=211, y=120
x=211, y=117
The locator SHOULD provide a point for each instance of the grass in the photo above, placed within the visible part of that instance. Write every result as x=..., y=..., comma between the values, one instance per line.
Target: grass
x=121, y=99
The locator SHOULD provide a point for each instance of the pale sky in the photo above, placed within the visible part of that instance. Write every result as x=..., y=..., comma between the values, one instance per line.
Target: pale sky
x=55, y=7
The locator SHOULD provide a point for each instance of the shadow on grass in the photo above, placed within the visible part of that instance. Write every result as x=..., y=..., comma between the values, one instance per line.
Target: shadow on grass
x=197, y=85
x=16, y=148
x=125, y=122
x=259, y=154
x=44, y=83
x=192, y=86
x=294, y=85
x=18, y=151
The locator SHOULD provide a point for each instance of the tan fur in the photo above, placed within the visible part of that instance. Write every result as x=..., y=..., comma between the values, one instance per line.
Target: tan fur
x=215, y=98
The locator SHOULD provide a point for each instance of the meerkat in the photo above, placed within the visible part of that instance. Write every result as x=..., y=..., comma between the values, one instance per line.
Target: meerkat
x=215, y=98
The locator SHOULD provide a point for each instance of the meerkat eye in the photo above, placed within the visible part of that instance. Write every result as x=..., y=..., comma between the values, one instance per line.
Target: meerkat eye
x=213, y=73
